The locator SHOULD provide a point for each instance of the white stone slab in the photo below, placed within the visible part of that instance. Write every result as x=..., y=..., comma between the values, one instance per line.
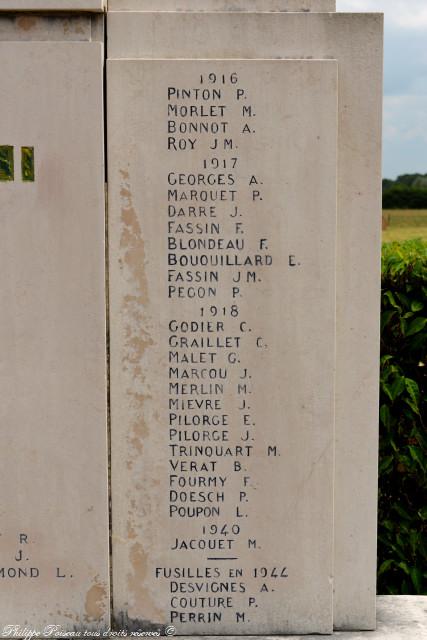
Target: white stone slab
x=52, y=5
x=275, y=339
x=53, y=458
x=222, y=5
x=356, y=41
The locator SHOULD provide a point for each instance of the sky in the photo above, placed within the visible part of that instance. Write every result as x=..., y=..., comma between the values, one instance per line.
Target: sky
x=405, y=82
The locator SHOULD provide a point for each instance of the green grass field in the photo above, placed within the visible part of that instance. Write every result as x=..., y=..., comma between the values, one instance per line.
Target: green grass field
x=401, y=224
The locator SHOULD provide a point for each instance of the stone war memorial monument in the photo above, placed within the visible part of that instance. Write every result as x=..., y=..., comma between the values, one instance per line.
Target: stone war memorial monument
x=190, y=197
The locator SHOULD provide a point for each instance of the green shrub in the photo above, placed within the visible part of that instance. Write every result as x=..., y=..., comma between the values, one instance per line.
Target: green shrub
x=403, y=197
x=402, y=550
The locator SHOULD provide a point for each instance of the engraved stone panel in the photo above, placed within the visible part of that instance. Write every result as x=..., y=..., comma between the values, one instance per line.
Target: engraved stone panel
x=53, y=458
x=356, y=41
x=222, y=303
x=222, y=5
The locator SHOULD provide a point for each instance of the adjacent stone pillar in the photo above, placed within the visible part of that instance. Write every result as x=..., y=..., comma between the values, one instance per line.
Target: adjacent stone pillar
x=54, y=568
x=53, y=5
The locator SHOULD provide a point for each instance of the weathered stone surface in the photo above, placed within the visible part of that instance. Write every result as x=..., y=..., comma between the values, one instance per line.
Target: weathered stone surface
x=264, y=337
x=222, y=5
x=16, y=27
x=356, y=41
x=52, y=5
x=53, y=458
